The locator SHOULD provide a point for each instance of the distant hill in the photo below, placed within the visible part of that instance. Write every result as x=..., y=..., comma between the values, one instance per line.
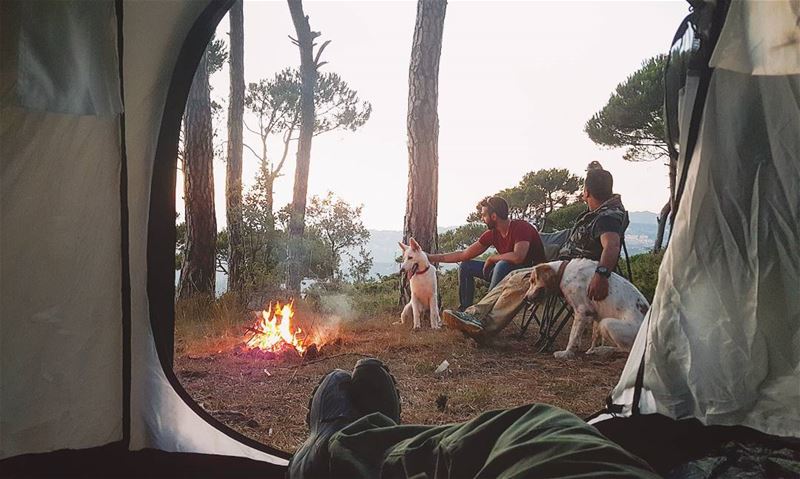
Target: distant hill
x=644, y=217
x=640, y=238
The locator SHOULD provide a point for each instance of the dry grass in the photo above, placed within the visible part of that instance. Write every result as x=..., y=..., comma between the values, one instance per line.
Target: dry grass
x=205, y=326
x=267, y=399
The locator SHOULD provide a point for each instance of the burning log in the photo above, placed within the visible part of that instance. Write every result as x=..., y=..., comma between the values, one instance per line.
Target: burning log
x=311, y=353
x=274, y=335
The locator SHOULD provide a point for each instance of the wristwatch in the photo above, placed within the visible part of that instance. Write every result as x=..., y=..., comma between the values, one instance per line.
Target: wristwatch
x=603, y=271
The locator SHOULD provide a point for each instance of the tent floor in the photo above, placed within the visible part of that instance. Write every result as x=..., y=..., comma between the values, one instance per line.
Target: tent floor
x=666, y=443
x=112, y=461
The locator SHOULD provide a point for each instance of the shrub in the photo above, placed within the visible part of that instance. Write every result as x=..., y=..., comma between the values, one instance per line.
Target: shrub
x=644, y=268
x=377, y=297
x=564, y=218
x=380, y=297
x=330, y=298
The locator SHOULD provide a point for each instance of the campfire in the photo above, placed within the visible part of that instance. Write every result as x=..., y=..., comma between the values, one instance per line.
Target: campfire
x=274, y=333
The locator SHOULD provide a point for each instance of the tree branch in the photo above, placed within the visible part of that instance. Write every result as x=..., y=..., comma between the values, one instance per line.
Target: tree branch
x=317, y=64
x=253, y=151
x=271, y=123
x=342, y=101
x=286, y=140
x=326, y=130
x=250, y=129
x=220, y=267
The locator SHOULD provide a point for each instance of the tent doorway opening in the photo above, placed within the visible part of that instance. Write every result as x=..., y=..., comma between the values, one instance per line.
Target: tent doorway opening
x=342, y=311
x=242, y=339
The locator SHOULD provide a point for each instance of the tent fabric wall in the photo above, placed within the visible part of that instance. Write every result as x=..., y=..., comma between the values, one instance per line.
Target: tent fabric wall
x=60, y=280
x=160, y=418
x=721, y=342
x=67, y=53
x=64, y=371
x=61, y=382
x=760, y=38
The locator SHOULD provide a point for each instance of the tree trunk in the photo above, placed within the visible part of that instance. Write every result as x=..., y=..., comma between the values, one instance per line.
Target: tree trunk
x=233, y=176
x=269, y=200
x=334, y=265
x=548, y=210
x=673, y=172
x=308, y=79
x=665, y=215
x=198, y=271
x=423, y=127
x=662, y=223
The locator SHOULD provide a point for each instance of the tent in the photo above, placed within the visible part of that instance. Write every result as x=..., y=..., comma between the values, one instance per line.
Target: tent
x=92, y=98
x=92, y=95
x=721, y=342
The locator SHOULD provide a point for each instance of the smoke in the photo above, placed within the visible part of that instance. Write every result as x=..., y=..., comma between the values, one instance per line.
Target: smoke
x=336, y=304
x=331, y=310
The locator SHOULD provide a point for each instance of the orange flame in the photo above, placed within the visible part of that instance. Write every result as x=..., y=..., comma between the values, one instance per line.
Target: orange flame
x=274, y=330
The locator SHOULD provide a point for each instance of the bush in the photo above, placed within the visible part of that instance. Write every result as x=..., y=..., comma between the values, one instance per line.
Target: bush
x=564, y=217
x=330, y=297
x=377, y=297
x=380, y=297
x=644, y=268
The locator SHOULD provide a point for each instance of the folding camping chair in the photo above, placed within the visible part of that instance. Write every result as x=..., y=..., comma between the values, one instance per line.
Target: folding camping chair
x=546, y=313
x=553, y=313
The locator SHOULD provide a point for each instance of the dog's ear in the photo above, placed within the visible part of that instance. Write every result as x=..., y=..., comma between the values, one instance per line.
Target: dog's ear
x=546, y=276
x=414, y=245
x=402, y=246
x=535, y=274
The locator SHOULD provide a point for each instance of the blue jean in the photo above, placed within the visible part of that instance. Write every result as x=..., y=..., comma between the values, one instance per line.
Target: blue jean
x=469, y=270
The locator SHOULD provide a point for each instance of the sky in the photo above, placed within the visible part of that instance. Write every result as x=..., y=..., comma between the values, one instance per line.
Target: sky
x=517, y=82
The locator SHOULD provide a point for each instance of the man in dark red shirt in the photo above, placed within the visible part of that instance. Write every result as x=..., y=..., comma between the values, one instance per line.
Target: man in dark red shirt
x=517, y=243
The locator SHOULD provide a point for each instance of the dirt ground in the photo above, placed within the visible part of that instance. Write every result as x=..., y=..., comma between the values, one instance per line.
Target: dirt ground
x=267, y=399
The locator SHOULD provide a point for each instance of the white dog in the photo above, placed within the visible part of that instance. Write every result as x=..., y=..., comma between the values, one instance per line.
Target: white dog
x=422, y=278
x=616, y=319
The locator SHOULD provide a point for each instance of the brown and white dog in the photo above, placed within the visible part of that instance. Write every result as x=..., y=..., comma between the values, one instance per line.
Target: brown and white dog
x=616, y=318
x=422, y=280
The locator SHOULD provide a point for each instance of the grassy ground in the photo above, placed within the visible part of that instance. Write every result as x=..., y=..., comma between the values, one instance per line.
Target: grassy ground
x=267, y=398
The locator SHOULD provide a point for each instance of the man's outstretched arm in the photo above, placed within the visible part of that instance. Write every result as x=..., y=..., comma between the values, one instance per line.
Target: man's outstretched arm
x=472, y=251
x=598, y=287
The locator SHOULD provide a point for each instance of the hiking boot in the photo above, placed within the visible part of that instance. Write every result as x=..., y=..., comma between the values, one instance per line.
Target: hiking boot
x=374, y=389
x=330, y=409
x=463, y=322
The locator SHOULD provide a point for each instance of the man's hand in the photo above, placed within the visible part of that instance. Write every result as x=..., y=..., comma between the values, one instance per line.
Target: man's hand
x=598, y=288
x=489, y=264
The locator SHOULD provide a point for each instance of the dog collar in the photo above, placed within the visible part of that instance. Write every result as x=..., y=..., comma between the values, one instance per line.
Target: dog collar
x=424, y=270
x=561, y=268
